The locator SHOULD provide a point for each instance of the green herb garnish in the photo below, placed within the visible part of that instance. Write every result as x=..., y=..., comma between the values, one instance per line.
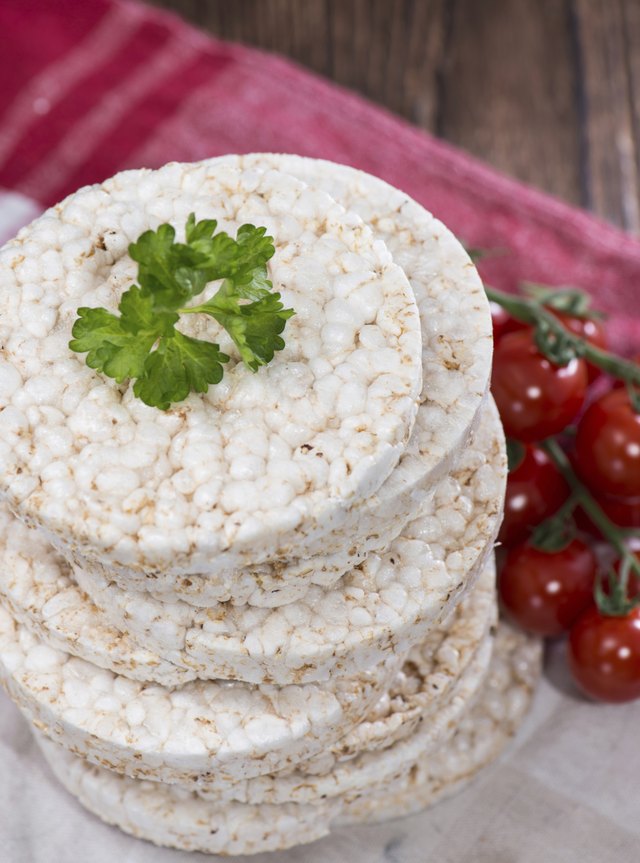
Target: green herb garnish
x=142, y=343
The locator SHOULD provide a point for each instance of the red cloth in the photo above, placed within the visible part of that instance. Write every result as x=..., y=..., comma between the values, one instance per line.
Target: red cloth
x=89, y=87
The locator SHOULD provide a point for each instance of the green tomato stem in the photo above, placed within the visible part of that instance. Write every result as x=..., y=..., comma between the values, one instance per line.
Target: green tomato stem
x=582, y=496
x=529, y=311
x=624, y=577
x=556, y=532
x=568, y=506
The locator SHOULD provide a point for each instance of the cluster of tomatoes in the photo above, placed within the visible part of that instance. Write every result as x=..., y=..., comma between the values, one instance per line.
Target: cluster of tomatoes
x=552, y=588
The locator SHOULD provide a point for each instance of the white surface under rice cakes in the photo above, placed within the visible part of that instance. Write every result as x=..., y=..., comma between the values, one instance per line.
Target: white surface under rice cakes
x=382, y=606
x=229, y=477
x=167, y=815
x=211, y=732
x=456, y=360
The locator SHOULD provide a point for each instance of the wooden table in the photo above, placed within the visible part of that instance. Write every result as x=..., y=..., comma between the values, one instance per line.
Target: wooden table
x=545, y=90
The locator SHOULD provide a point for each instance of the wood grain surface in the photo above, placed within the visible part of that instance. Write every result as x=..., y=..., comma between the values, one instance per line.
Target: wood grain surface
x=546, y=90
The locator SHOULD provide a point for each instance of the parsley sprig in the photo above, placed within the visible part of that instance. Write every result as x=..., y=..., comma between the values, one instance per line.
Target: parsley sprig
x=142, y=342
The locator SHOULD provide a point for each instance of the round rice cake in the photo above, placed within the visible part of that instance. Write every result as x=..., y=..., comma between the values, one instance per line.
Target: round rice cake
x=454, y=312
x=422, y=709
x=236, y=475
x=345, y=782
x=39, y=591
x=456, y=362
x=167, y=815
x=384, y=605
x=215, y=733
x=224, y=728
x=428, y=678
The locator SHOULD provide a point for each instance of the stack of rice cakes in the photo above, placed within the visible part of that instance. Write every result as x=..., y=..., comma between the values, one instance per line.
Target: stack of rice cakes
x=269, y=611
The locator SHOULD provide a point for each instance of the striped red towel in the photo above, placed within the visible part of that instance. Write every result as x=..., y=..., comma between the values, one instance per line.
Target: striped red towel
x=94, y=86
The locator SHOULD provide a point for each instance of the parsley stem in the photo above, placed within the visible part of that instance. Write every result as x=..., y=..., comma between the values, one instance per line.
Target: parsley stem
x=530, y=311
x=208, y=308
x=581, y=495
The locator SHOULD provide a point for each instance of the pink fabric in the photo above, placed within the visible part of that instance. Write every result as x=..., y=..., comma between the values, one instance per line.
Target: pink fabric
x=88, y=87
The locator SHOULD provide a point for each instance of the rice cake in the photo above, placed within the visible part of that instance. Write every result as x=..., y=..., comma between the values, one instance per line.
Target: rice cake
x=232, y=729
x=456, y=361
x=428, y=677
x=37, y=588
x=170, y=816
x=453, y=307
x=167, y=816
x=384, y=747
x=212, y=733
x=384, y=605
x=233, y=476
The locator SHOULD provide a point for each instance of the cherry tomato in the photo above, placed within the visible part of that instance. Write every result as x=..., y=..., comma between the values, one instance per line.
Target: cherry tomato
x=604, y=655
x=502, y=322
x=608, y=446
x=535, y=397
x=623, y=511
x=535, y=490
x=593, y=331
x=544, y=592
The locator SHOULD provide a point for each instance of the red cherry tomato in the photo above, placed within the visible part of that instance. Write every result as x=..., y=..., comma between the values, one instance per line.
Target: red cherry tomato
x=502, y=322
x=592, y=330
x=535, y=397
x=623, y=511
x=544, y=592
x=608, y=446
x=535, y=490
x=604, y=655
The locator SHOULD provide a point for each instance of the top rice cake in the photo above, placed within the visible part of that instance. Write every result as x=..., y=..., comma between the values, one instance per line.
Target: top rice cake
x=237, y=470
x=456, y=365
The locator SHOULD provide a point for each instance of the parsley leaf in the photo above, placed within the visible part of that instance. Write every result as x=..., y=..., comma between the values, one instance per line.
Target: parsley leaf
x=111, y=348
x=179, y=365
x=155, y=253
x=254, y=327
x=257, y=249
x=202, y=230
x=143, y=344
